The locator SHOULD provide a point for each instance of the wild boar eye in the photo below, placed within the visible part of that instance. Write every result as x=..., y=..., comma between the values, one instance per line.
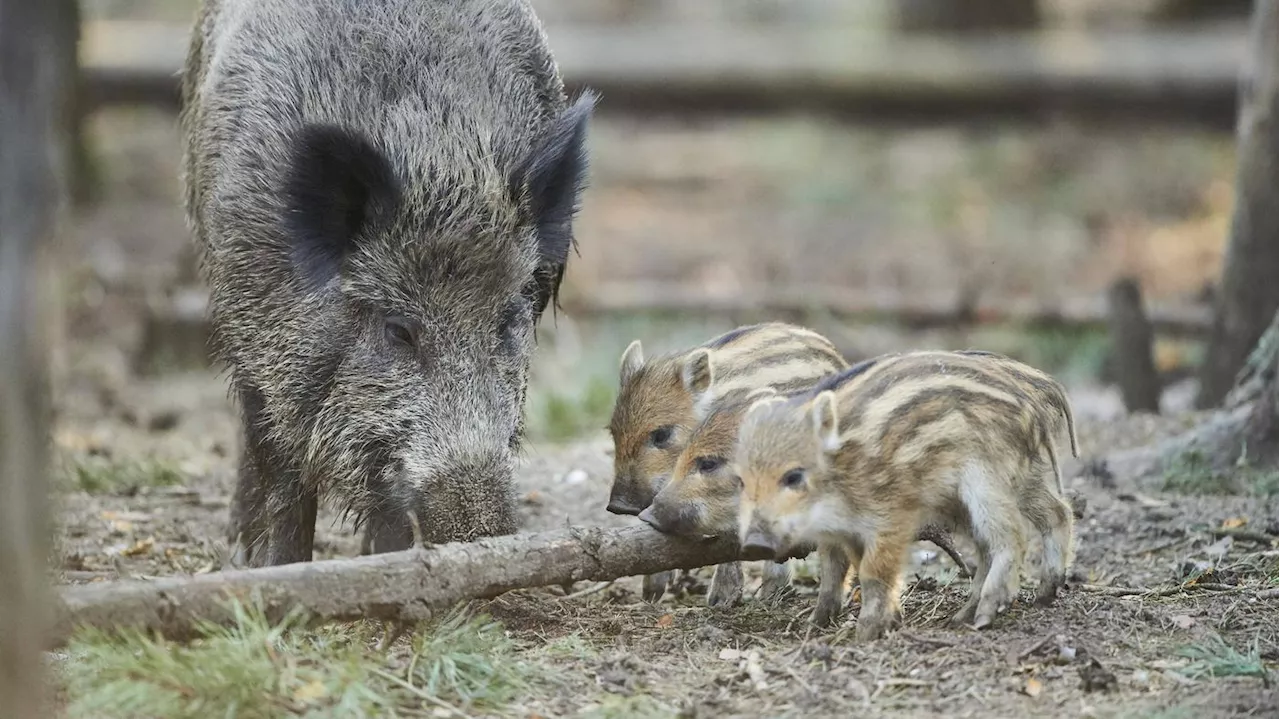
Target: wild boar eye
x=793, y=479
x=512, y=319
x=398, y=332
x=661, y=437
x=707, y=465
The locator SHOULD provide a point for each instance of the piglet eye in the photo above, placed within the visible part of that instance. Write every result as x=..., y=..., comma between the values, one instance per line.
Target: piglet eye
x=793, y=479
x=661, y=436
x=707, y=465
x=398, y=332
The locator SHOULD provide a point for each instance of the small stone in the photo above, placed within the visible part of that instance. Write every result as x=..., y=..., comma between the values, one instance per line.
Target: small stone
x=576, y=476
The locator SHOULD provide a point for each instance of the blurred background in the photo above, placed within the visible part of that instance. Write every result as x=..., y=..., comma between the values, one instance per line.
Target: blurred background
x=923, y=173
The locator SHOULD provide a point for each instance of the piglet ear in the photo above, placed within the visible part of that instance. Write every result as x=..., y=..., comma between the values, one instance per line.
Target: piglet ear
x=696, y=373
x=826, y=424
x=632, y=361
x=338, y=187
x=553, y=175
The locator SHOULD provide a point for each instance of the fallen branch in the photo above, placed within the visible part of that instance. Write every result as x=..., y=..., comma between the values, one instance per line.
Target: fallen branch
x=399, y=586
x=1145, y=592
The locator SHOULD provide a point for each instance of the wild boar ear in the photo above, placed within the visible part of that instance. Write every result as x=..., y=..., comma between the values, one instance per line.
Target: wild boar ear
x=826, y=425
x=632, y=361
x=696, y=373
x=338, y=186
x=554, y=174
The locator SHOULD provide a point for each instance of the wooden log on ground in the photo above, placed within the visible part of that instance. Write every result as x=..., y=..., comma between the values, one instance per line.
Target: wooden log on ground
x=914, y=310
x=1164, y=78
x=1131, y=348
x=398, y=586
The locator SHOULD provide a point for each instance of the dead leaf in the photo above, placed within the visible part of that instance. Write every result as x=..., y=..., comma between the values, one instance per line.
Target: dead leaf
x=1183, y=621
x=1032, y=688
x=729, y=654
x=139, y=548
x=1235, y=522
x=310, y=692
x=665, y=621
x=120, y=526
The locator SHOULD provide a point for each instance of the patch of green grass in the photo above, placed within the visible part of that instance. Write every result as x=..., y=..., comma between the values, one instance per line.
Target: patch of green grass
x=558, y=416
x=641, y=706
x=1215, y=658
x=257, y=668
x=1192, y=472
x=98, y=475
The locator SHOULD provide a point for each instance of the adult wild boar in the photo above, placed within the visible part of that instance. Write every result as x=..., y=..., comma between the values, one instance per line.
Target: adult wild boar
x=382, y=192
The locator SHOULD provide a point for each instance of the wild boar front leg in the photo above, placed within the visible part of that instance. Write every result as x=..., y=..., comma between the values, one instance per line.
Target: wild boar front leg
x=880, y=576
x=835, y=562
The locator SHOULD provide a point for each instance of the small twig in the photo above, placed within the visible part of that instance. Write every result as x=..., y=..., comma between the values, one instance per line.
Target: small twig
x=589, y=590
x=898, y=682
x=1216, y=587
x=927, y=640
x=1271, y=593
x=1128, y=591
x=1015, y=656
x=1245, y=535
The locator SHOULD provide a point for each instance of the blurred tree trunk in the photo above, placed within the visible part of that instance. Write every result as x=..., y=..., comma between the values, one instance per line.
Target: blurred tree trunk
x=80, y=168
x=1247, y=297
x=967, y=15
x=33, y=83
x=1131, y=348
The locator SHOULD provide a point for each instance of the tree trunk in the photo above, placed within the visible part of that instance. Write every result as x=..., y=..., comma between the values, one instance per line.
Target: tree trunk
x=1131, y=347
x=967, y=15
x=396, y=586
x=79, y=166
x=31, y=88
x=1247, y=298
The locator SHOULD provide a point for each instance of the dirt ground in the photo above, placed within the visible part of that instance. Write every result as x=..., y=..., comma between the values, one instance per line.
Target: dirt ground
x=147, y=459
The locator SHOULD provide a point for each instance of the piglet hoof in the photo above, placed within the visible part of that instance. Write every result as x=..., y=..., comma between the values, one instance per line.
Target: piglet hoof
x=726, y=588
x=824, y=616
x=870, y=630
x=1049, y=591
x=654, y=586
x=964, y=617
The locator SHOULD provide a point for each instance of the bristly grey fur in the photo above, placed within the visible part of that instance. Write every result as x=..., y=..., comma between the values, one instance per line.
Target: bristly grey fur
x=382, y=192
